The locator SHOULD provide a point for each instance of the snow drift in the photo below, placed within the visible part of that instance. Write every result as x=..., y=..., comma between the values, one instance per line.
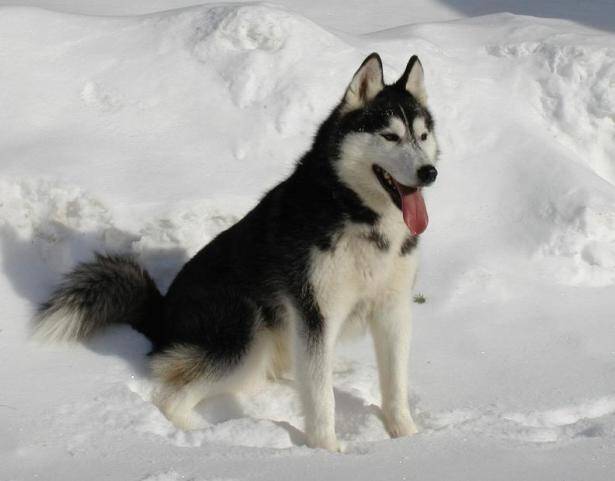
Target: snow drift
x=151, y=134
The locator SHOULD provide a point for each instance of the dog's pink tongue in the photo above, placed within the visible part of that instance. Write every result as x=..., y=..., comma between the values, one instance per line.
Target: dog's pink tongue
x=413, y=208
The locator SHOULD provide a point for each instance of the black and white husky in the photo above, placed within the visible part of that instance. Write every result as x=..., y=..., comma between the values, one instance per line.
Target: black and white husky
x=332, y=245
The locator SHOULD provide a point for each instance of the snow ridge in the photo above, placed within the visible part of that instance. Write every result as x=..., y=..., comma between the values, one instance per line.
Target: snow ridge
x=151, y=134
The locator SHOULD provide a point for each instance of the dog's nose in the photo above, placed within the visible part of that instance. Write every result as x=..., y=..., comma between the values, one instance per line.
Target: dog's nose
x=427, y=174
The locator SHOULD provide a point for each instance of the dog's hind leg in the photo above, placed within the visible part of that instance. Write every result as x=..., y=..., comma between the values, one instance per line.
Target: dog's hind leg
x=178, y=404
x=187, y=377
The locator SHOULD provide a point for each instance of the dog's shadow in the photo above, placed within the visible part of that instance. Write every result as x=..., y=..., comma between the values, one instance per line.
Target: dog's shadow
x=355, y=419
x=35, y=265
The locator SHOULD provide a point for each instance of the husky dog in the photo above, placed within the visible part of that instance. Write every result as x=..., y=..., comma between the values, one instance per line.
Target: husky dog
x=331, y=246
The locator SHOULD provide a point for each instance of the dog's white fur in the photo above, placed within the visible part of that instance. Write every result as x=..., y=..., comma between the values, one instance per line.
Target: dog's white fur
x=178, y=404
x=62, y=326
x=358, y=279
x=356, y=282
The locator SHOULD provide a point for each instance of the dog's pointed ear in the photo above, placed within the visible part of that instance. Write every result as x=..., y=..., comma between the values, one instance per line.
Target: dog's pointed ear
x=413, y=80
x=367, y=82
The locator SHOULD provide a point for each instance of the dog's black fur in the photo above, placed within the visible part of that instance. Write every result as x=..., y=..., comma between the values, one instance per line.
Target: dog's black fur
x=224, y=293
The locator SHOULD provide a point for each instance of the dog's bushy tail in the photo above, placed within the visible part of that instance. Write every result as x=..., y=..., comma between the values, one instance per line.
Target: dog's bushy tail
x=111, y=289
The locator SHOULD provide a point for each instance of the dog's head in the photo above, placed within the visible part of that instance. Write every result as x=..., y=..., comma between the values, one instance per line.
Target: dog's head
x=388, y=148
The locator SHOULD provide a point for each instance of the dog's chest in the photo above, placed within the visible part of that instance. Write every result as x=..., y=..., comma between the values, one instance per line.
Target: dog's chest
x=361, y=266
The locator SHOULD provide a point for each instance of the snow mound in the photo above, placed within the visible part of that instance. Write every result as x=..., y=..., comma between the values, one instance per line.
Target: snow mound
x=576, y=93
x=246, y=78
x=54, y=226
x=244, y=45
x=565, y=424
x=166, y=476
x=149, y=135
x=584, y=234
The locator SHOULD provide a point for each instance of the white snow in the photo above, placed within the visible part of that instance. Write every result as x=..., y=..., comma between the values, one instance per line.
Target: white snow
x=152, y=133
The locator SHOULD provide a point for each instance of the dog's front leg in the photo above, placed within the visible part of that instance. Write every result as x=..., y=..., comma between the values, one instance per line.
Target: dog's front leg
x=314, y=352
x=391, y=328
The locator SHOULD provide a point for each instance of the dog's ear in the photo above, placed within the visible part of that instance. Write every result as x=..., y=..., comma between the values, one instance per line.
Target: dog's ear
x=413, y=80
x=367, y=82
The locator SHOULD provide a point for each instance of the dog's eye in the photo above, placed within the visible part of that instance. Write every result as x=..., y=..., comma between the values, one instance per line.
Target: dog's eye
x=391, y=137
x=424, y=136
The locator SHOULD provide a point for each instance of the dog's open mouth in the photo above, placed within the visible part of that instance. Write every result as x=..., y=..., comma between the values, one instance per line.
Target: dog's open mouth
x=408, y=199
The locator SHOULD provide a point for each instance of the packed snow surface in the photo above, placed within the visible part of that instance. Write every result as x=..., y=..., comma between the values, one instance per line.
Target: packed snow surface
x=150, y=134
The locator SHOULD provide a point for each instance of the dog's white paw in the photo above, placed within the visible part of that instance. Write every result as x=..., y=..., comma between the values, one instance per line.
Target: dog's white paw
x=179, y=415
x=181, y=420
x=400, y=425
x=326, y=441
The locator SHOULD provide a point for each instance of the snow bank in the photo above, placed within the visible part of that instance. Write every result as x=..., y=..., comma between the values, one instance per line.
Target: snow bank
x=151, y=134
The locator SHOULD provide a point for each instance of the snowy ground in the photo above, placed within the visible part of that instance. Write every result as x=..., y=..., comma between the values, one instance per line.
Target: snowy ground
x=150, y=134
